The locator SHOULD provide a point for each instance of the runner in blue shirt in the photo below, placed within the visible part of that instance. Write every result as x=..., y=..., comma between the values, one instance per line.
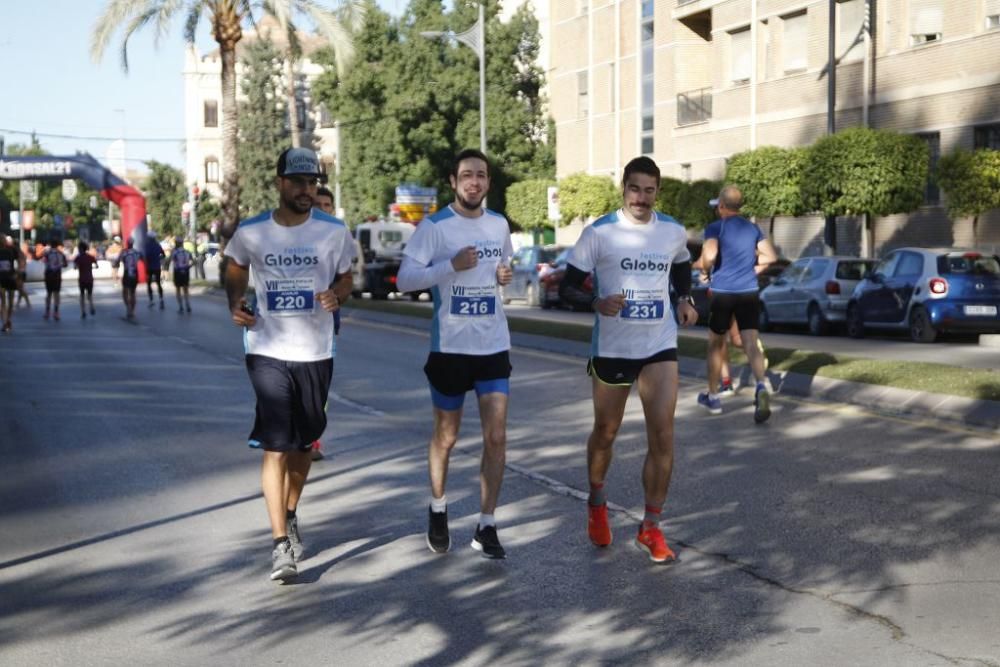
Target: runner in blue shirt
x=735, y=251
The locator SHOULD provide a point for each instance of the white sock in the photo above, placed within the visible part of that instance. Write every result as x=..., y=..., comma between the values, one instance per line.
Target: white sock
x=487, y=520
x=439, y=505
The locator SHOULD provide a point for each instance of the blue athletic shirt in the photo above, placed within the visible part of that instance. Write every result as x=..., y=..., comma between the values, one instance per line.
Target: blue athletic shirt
x=738, y=239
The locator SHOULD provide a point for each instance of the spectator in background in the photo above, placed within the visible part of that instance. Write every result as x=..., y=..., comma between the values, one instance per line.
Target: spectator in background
x=113, y=253
x=84, y=262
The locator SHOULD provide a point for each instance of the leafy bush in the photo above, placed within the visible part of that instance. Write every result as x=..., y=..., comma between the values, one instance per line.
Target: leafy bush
x=669, y=198
x=971, y=181
x=860, y=170
x=585, y=196
x=692, y=206
x=527, y=203
x=770, y=179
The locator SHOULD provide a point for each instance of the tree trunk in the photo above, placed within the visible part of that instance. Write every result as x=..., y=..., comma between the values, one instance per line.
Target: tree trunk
x=975, y=231
x=293, y=107
x=230, y=180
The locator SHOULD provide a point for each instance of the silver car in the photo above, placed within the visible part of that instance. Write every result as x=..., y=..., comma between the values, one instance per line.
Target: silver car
x=813, y=291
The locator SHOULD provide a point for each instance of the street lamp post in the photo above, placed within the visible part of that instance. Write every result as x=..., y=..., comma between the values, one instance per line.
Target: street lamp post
x=475, y=39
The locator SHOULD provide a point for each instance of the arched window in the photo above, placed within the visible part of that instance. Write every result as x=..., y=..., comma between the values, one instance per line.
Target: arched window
x=211, y=170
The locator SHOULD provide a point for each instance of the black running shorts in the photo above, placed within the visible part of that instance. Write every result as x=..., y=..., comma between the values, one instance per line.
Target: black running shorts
x=745, y=307
x=8, y=282
x=53, y=281
x=624, y=372
x=182, y=278
x=455, y=374
x=87, y=288
x=291, y=396
x=130, y=281
x=153, y=276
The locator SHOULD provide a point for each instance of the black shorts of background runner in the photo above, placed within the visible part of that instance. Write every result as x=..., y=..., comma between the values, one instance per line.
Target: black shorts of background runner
x=745, y=307
x=130, y=281
x=87, y=288
x=624, y=372
x=290, y=402
x=153, y=277
x=182, y=278
x=454, y=374
x=8, y=282
x=53, y=281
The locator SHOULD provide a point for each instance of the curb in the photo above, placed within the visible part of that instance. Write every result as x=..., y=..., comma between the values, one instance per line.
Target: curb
x=888, y=400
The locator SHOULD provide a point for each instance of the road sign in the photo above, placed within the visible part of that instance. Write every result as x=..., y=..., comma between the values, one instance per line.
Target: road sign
x=93, y=201
x=29, y=190
x=15, y=220
x=68, y=189
x=552, y=198
x=29, y=220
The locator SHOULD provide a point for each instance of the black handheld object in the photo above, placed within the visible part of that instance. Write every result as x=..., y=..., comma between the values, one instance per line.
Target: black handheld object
x=247, y=308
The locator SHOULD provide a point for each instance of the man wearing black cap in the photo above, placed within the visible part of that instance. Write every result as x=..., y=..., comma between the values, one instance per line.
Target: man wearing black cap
x=301, y=261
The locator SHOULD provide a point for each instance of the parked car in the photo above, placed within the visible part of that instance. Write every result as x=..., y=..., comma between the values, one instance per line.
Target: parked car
x=551, y=278
x=702, y=297
x=813, y=291
x=526, y=264
x=928, y=291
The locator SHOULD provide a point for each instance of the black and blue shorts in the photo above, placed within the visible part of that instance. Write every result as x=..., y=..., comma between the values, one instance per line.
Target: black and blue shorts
x=622, y=372
x=291, y=400
x=182, y=278
x=452, y=375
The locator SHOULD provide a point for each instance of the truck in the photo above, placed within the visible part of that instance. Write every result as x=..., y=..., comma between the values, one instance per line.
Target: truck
x=379, y=243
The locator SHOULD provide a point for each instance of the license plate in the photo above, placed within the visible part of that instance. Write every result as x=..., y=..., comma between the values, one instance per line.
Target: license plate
x=990, y=311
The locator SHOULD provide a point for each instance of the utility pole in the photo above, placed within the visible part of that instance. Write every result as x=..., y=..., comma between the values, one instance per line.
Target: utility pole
x=830, y=227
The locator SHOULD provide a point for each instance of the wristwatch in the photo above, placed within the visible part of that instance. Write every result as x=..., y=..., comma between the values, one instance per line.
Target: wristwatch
x=689, y=299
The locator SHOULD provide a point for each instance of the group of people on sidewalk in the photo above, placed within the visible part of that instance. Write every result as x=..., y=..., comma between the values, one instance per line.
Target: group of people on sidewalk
x=300, y=258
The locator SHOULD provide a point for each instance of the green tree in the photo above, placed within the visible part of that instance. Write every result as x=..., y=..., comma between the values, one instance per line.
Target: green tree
x=165, y=192
x=209, y=210
x=584, y=196
x=971, y=181
x=771, y=181
x=409, y=104
x=261, y=126
x=669, y=197
x=861, y=171
x=693, y=210
x=528, y=203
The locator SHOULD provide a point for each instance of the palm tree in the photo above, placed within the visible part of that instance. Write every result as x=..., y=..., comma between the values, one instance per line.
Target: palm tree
x=227, y=18
x=336, y=26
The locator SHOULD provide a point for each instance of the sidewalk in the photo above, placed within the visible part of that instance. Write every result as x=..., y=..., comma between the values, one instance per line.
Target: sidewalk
x=890, y=400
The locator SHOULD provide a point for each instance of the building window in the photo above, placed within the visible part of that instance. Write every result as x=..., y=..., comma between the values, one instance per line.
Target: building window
x=686, y=172
x=582, y=102
x=211, y=170
x=796, y=42
x=694, y=106
x=993, y=16
x=925, y=21
x=932, y=195
x=211, y=113
x=987, y=136
x=648, y=77
x=739, y=56
x=850, y=45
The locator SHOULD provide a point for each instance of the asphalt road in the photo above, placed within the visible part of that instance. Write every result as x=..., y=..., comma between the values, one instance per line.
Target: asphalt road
x=134, y=531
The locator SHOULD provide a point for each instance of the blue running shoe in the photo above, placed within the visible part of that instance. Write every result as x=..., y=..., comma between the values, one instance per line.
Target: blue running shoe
x=713, y=405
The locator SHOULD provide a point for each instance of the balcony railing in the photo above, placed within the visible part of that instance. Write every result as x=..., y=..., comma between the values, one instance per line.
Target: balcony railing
x=694, y=106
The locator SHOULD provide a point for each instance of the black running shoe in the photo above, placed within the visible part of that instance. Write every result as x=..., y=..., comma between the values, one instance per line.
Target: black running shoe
x=438, y=539
x=486, y=542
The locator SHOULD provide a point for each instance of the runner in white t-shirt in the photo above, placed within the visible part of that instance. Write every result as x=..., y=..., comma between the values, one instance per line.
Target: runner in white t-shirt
x=636, y=254
x=461, y=254
x=301, y=261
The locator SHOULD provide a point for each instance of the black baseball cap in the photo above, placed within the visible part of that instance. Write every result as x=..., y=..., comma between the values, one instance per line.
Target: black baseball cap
x=299, y=162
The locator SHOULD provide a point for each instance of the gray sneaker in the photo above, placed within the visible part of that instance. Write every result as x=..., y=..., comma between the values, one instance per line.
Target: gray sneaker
x=292, y=528
x=283, y=563
x=761, y=405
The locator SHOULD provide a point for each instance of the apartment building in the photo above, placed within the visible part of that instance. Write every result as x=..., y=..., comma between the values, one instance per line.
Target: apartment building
x=203, y=107
x=691, y=82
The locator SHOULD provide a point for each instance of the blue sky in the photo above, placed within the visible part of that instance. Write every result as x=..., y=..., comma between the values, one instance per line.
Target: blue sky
x=51, y=85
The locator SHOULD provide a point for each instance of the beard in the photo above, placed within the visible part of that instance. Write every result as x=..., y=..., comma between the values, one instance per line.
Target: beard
x=469, y=204
x=298, y=203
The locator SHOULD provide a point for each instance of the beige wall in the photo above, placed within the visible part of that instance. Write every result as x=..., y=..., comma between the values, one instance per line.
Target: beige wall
x=947, y=87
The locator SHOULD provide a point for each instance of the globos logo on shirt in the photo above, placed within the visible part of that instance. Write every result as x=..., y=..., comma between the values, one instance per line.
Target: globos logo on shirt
x=271, y=259
x=647, y=262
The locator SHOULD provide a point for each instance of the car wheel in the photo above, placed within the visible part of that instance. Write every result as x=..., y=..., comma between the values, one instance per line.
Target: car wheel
x=531, y=294
x=855, y=327
x=818, y=326
x=380, y=296
x=414, y=296
x=921, y=329
x=764, y=322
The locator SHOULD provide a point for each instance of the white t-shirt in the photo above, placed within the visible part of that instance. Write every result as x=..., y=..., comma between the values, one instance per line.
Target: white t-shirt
x=634, y=260
x=468, y=312
x=290, y=265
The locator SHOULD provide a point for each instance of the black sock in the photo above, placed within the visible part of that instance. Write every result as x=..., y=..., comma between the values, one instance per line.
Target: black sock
x=279, y=540
x=289, y=514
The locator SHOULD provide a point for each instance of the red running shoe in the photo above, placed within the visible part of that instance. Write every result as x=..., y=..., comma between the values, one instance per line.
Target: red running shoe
x=317, y=451
x=597, y=524
x=650, y=539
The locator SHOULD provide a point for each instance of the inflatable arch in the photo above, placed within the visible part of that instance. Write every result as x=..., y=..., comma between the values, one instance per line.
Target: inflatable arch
x=84, y=167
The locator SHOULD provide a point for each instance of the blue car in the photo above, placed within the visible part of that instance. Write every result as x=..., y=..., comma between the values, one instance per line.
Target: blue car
x=928, y=291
